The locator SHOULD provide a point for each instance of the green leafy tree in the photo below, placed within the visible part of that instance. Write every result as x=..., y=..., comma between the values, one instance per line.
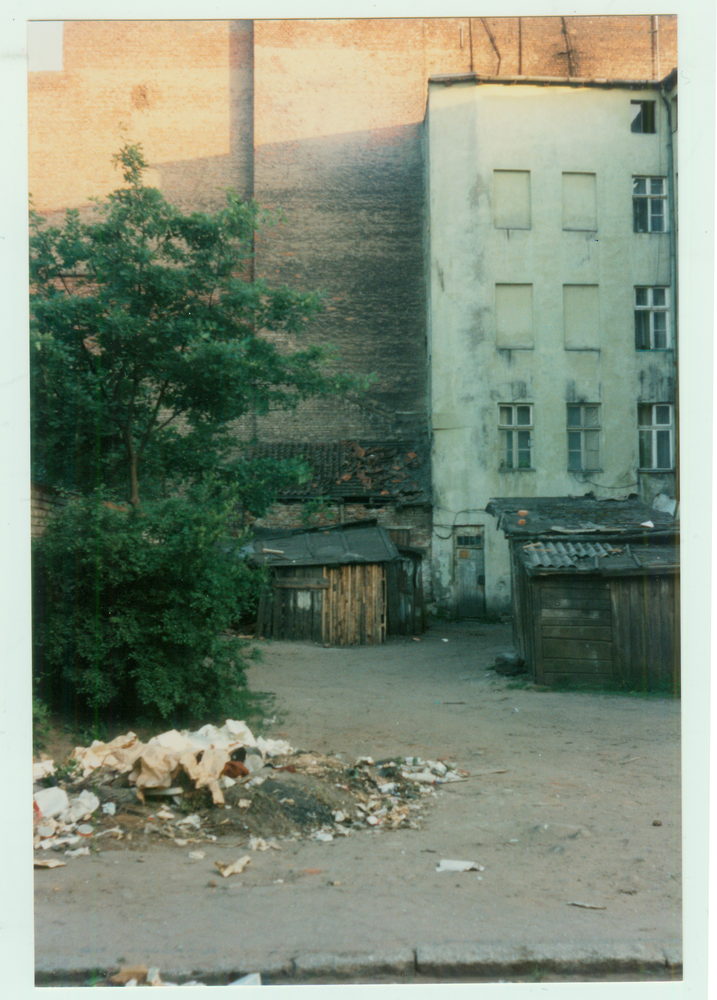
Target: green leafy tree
x=148, y=343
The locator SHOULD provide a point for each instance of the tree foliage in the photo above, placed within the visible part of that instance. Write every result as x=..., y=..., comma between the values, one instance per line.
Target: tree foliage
x=147, y=343
x=134, y=609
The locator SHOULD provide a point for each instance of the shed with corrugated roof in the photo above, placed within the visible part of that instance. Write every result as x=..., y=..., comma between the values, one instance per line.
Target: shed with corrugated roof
x=346, y=585
x=595, y=590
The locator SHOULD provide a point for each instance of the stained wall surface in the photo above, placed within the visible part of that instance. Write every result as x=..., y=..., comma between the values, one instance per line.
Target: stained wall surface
x=541, y=315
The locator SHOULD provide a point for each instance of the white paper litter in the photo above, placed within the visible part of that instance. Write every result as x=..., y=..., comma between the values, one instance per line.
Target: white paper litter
x=449, y=865
x=272, y=748
x=80, y=807
x=43, y=769
x=51, y=801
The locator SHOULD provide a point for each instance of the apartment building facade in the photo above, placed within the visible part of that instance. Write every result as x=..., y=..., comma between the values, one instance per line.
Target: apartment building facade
x=552, y=306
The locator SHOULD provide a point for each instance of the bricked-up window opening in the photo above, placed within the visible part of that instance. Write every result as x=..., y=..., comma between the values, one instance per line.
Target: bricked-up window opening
x=583, y=437
x=516, y=436
x=581, y=317
x=651, y=319
x=643, y=119
x=511, y=199
x=514, y=317
x=580, y=202
x=656, y=434
x=649, y=204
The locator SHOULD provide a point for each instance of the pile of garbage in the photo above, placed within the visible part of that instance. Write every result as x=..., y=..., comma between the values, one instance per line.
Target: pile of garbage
x=193, y=786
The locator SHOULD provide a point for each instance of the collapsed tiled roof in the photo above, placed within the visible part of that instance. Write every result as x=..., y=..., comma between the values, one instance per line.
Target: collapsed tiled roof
x=376, y=471
x=539, y=516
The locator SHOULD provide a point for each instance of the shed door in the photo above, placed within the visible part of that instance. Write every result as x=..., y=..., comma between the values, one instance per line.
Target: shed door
x=469, y=570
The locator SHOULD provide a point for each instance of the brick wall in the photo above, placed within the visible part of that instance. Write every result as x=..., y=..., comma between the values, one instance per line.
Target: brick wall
x=322, y=118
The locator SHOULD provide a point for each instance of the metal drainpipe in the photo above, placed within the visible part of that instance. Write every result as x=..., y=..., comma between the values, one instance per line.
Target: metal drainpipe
x=673, y=266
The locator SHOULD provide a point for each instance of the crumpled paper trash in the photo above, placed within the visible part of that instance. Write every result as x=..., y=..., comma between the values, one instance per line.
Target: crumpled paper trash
x=449, y=865
x=235, y=868
x=202, y=755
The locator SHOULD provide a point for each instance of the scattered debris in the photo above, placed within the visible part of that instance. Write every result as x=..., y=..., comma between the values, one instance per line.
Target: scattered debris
x=43, y=769
x=51, y=863
x=449, y=865
x=50, y=802
x=588, y=906
x=657, y=822
x=278, y=792
x=235, y=868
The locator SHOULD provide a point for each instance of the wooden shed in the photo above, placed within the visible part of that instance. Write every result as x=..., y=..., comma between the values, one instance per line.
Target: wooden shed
x=595, y=604
x=346, y=585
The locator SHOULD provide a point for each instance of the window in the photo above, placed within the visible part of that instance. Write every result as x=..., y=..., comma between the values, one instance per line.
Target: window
x=514, y=316
x=516, y=435
x=583, y=437
x=656, y=435
x=580, y=202
x=651, y=319
x=643, y=116
x=511, y=199
x=649, y=196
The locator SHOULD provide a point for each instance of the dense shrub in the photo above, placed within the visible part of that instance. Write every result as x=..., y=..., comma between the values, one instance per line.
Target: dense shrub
x=133, y=607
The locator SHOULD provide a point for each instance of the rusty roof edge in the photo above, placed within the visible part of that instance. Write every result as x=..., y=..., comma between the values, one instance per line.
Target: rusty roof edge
x=553, y=81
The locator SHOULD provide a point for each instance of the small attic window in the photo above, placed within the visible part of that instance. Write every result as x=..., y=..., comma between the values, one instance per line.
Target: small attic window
x=643, y=116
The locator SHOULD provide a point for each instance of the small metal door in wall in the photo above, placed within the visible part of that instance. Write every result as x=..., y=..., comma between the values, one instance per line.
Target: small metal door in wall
x=469, y=570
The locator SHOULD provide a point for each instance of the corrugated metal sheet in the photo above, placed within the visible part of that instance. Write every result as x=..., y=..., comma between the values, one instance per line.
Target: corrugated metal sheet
x=562, y=554
x=598, y=557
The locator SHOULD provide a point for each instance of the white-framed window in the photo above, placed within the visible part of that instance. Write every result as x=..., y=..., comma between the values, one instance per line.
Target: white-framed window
x=655, y=422
x=515, y=426
x=583, y=437
x=652, y=312
x=649, y=204
x=643, y=117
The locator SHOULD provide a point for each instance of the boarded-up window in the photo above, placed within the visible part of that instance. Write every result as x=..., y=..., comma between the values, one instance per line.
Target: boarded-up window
x=511, y=199
x=514, y=316
x=581, y=317
x=579, y=201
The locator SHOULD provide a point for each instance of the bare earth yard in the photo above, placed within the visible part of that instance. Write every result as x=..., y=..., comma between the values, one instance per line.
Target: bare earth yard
x=571, y=798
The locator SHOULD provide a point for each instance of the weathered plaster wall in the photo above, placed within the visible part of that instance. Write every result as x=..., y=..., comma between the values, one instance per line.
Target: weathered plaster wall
x=546, y=131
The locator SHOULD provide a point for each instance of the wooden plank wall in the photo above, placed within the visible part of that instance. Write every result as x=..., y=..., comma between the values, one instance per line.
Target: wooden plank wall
x=355, y=605
x=294, y=606
x=646, y=622
x=404, y=597
x=576, y=639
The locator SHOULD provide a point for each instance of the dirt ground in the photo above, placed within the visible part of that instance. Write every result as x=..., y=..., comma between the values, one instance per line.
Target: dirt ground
x=568, y=798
